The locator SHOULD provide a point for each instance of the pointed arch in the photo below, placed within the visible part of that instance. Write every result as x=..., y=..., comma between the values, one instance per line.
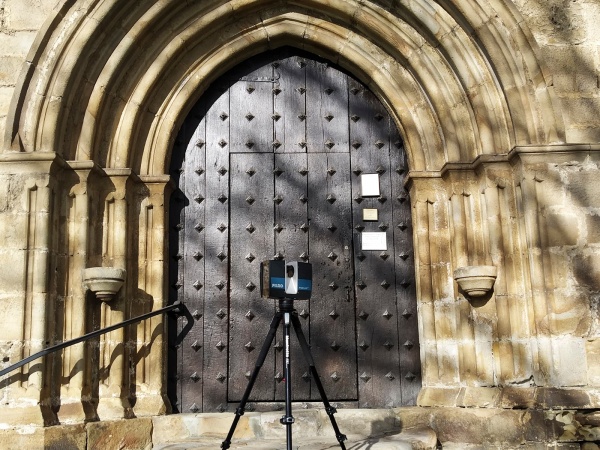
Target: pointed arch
x=112, y=84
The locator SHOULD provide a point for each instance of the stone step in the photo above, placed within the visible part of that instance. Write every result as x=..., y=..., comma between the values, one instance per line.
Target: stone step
x=298, y=443
x=312, y=430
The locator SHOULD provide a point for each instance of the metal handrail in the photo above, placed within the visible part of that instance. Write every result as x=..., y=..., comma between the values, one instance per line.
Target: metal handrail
x=54, y=348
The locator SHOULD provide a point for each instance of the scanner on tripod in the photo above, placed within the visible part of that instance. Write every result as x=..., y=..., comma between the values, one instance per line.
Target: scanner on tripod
x=281, y=279
x=286, y=281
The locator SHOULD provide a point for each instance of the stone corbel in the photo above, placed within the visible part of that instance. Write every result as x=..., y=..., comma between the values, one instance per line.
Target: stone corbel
x=476, y=281
x=104, y=282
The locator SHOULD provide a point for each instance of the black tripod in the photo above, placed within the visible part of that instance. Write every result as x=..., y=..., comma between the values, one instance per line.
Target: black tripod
x=288, y=314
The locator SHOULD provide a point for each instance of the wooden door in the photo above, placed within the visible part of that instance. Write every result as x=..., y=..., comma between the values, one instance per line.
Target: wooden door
x=268, y=166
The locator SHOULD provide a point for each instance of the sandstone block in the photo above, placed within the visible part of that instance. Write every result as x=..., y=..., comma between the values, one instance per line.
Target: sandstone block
x=592, y=226
x=586, y=269
x=563, y=229
x=10, y=67
x=27, y=14
x=518, y=397
x=583, y=114
x=65, y=437
x=480, y=425
x=503, y=356
x=131, y=434
x=568, y=75
x=481, y=397
x=445, y=324
x=556, y=398
x=572, y=315
x=11, y=307
x=447, y=353
x=178, y=427
x=173, y=428
x=27, y=416
x=18, y=43
x=308, y=422
x=354, y=421
x=148, y=404
x=592, y=350
x=14, y=235
x=559, y=268
x=6, y=93
x=584, y=188
x=22, y=438
x=485, y=363
x=584, y=133
x=434, y=396
x=414, y=417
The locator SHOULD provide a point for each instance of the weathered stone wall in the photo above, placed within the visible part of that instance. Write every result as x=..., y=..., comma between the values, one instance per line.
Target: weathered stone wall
x=20, y=23
x=569, y=41
x=504, y=172
x=533, y=343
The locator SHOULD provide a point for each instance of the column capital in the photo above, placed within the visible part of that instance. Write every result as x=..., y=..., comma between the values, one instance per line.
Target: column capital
x=120, y=178
x=159, y=186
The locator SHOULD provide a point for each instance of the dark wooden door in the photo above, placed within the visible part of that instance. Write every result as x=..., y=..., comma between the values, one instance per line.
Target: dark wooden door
x=268, y=166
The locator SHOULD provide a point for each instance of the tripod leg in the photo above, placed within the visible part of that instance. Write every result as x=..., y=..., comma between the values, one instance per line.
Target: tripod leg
x=311, y=362
x=259, y=362
x=288, y=419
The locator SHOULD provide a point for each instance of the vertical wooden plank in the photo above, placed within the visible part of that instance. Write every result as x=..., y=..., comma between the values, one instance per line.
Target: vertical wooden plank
x=332, y=315
x=216, y=246
x=291, y=240
x=290, y=104
x=251, y=219
x=188, y=284
x=176, y=240
x=406, y=296
x=326, y=106
x=251, y=112
x=378, y=354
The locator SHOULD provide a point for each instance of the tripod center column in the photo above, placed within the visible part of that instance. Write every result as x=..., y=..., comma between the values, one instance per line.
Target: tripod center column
x=288, y=419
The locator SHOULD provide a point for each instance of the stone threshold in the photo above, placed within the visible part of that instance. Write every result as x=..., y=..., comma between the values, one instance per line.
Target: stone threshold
x=312, y=430
x=414, y=439
x=365, y=428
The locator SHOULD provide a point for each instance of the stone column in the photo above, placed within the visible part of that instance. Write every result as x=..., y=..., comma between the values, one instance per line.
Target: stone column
x=438, y=312
x=25, y=247
x=74, y=394
x=150, y=356
x=508, y=252
x=543, y=358
x=113, y=401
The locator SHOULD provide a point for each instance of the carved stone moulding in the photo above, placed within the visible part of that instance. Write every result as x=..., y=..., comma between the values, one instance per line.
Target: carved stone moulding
x=104, y=282
x=476, y=281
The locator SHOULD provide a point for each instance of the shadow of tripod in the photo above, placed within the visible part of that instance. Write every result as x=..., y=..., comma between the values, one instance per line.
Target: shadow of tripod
x=288, y=315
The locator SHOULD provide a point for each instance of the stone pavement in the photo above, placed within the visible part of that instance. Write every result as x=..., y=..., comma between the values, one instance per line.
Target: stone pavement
x=394, y=442
x=365, y=429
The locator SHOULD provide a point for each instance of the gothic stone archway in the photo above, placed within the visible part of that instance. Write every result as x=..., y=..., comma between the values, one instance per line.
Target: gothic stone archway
x=467, y=88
